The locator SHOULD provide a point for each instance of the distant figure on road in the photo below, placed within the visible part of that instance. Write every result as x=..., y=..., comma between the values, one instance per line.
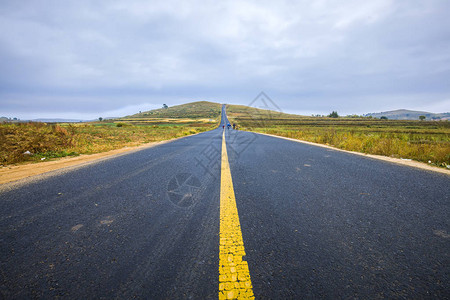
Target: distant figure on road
x=234, y=126
x=228, y=125
x=223, y=127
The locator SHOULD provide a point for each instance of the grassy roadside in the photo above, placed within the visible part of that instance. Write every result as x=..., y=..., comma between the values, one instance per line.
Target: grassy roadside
x=33, y=142
x=424, y=141
x=47, y=141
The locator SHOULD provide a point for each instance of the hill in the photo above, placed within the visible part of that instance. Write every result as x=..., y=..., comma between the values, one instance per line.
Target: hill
x=193, y=110
x=242, y=111
x=404, y=114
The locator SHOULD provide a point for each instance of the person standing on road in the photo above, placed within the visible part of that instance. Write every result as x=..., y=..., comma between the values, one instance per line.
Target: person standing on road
x=234, y=126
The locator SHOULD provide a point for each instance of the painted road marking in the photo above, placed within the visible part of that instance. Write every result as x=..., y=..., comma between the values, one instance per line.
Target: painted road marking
x=234, y=275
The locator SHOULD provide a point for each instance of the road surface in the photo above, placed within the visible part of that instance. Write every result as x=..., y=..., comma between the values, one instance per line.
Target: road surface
x=314, y=222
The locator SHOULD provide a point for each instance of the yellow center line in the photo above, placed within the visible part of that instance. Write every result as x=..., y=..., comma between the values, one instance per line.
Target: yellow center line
x=234, y=275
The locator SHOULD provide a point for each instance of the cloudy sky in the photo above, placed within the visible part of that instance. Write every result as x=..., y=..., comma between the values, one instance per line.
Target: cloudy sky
x=85, y=59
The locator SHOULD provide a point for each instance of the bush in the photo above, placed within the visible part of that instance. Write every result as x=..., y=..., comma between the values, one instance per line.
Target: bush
x=333, y=114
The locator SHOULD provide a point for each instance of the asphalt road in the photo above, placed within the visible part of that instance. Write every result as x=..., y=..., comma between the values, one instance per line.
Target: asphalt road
x=316, y=223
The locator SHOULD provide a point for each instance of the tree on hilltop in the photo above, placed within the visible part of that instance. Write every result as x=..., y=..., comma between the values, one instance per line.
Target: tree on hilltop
x=333, y=114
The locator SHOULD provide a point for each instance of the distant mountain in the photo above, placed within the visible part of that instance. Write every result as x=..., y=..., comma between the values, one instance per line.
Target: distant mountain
x=58, y=120
x=404, y=114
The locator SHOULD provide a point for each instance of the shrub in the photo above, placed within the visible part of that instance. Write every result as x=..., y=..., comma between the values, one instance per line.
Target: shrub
x=333, y=114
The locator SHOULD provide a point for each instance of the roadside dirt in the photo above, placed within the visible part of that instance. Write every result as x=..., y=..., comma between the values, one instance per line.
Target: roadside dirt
x=13, y=173
x=405, y=162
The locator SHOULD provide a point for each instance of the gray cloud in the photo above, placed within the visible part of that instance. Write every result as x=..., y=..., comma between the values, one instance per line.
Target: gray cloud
x=90, y=58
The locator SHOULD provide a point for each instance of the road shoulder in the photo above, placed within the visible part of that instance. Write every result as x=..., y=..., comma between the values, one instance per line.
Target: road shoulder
x=14, y=173
x=399, y=161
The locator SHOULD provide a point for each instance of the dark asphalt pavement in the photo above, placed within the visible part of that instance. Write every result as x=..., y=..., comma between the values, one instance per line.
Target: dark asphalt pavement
x=316, y=223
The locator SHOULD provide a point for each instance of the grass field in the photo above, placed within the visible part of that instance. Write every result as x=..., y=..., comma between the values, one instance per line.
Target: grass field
x=425, y=141
x=58, y=140
x=49, y=141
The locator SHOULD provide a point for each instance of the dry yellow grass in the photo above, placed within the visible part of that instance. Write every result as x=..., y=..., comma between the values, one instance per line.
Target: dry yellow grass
x=23, y=142
x=423, y=141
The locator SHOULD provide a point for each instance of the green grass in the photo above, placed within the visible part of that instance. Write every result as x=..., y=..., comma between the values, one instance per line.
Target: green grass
x=419, y=140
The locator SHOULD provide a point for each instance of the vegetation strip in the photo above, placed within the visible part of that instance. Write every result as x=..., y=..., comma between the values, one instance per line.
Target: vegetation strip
x=33, y=142
x=37, y=141
x=405, y=162
x=424, y=141
x=234, y=275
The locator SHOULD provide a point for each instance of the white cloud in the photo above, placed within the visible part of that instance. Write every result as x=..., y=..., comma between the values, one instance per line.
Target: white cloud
x=306, y=54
